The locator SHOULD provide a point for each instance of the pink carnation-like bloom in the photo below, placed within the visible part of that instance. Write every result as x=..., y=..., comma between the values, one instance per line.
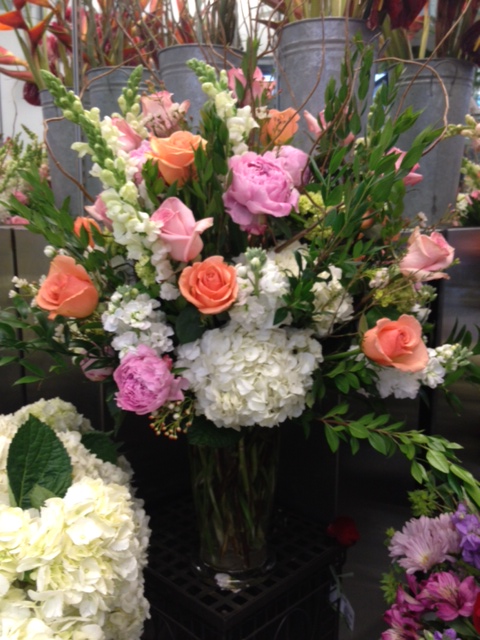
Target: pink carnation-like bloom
x=98, y=211
x=449, y=596
x=260, y=187
x=318, y=126
x=424, y=542
x=411, y=178
x=252, y=94
x=426, y=256
x=145, y=382
x=179, y=229
x=129, y=139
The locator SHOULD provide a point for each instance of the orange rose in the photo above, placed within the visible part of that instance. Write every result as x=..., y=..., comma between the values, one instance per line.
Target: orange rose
x=210, y=285
x=175, y=155
x=87, y=224
x=67, y=290
x=397, y=343
x=280, y=126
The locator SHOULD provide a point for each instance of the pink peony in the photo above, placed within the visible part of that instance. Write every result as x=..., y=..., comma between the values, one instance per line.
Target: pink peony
x=129, y=139
x=161, y=115
x=258, y=86
x=426, y=256
x=294, y=161
x=145, y=382
x=179, y=229
x=259, y=187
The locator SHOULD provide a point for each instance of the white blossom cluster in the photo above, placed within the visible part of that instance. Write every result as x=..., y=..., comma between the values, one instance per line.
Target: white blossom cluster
x=442, y=360
x=239, y=120
x=73, y=569
x=333, y=305
x=244, y=377
x=136, y=319
x=261, y=286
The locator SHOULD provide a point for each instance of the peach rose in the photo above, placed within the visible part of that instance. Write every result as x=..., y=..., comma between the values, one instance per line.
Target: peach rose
x=396, y=343
x=280, y=126
x=67, y=290
x=85, y=223
x=175, y=155
x=211, y=285
x=426, y=256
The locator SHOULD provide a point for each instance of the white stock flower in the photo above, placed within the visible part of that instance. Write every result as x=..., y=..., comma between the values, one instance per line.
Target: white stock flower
x=136, y=319
x=247, y=377
x=333, y=305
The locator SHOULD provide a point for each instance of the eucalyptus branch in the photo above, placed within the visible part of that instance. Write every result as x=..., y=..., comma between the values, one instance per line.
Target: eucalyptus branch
x=421, y=449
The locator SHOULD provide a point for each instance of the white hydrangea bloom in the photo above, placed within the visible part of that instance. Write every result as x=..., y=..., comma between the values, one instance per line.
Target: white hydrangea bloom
x=398, y=383
x=85, y=553
x=247, y=377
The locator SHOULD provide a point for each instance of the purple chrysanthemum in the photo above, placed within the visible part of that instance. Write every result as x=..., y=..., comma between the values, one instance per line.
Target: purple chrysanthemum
x=425, y=542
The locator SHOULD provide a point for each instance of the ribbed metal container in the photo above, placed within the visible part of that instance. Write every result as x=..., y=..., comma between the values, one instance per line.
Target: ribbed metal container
x=427, y=89
x=182, y=81
x=310, y=53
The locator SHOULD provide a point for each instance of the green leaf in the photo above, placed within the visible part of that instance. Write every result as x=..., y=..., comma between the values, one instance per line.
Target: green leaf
x=437, y=460
x=101, y=445
x=188, y=325
x=378, y=443
x=37, y=461
x=418, y=472
x=332, y=438
x=205, y=433
x=38, y=495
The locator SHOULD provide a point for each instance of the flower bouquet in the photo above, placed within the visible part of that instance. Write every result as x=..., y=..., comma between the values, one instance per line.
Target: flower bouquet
x=73, y=537
x=17, y=155
x=435, y=580
x=225, y=282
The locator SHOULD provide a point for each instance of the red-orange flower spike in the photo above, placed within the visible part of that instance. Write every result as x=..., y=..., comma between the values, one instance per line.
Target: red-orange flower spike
x=13, y=20
x=36, y=33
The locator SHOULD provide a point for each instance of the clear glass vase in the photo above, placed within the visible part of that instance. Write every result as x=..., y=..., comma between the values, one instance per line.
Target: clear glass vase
x=233, y=491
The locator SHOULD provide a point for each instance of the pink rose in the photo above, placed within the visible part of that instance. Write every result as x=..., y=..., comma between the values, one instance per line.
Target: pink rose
x=412, y=178
x=179, y=229
x=294, y=161
x=259, y=187
x=396, y=343
x=426, y=257
x=129, y=139
x=259, y=86
x=145, y=382
x=93, y=372
x=162, y=116
x=98, y=211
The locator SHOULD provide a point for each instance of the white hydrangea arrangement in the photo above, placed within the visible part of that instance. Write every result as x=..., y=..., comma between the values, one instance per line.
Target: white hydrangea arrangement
x=72, y=568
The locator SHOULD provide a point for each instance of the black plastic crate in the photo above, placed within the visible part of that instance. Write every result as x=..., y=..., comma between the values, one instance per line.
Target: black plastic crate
x=289, y=603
